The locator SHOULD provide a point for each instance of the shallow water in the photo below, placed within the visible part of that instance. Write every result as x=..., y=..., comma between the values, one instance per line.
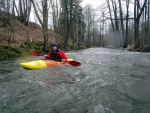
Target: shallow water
x=108, y=81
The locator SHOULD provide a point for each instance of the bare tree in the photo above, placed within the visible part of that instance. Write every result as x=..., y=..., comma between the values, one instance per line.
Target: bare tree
x=55, y=14
x=110, y=13
x=138, y=10
x=122, y=25
x=145, y=24
x=69, y=20
x=127, y=20
x=23, y=10
x=43, y=21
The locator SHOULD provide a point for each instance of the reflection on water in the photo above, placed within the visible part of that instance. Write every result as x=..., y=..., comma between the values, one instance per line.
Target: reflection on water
x=108, y=81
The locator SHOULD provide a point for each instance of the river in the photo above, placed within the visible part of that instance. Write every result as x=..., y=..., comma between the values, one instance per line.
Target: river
x=108, y=81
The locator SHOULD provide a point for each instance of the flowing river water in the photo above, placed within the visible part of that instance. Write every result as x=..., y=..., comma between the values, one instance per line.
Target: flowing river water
x=108, y=81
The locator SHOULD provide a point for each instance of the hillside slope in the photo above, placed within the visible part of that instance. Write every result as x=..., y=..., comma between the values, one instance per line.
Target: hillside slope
x=16, y=33
x=17, y=38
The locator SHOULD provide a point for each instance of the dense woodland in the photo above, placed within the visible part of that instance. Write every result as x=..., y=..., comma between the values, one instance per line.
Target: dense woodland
x=113, y=24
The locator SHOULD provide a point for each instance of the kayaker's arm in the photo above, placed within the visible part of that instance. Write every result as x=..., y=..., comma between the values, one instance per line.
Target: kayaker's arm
x=63, y=56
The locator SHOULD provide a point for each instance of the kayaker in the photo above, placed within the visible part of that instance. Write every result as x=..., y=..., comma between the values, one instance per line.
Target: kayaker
x=56, y=54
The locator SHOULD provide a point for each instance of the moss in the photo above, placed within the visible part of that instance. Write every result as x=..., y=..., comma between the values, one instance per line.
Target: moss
x=9, y=52
x=33, y=45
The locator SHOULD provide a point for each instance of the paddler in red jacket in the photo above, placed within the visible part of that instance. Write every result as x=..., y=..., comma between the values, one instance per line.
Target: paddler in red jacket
x=56, y=54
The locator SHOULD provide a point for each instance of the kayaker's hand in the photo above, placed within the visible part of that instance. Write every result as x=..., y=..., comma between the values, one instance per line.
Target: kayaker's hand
x=64, y=60
x=45, y=55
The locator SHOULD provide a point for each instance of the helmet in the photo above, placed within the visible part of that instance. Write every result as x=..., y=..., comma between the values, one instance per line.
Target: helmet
x=54, y=44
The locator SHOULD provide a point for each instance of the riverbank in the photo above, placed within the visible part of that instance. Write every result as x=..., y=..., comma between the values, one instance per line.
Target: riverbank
x=7, y=52
x=145, y=48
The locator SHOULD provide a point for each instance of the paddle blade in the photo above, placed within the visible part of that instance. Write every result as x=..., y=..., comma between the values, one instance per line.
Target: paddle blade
x=36, y=53
x=74, y=63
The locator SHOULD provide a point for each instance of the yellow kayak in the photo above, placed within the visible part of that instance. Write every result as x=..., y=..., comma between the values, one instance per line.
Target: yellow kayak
x=42, y=64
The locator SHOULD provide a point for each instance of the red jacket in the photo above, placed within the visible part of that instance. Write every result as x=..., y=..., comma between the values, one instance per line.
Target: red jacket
x=59, y=54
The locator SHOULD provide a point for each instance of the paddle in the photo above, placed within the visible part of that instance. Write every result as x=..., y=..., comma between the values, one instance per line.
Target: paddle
x=36, y=53
x=73, y=63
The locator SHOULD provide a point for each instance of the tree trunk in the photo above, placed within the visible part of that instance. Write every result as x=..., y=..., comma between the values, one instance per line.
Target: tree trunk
x=44, y=24
x=127, y=20
x=67, y=27
x=122, y=26
x=118, y=39
x=137, y=15
x=112, y=24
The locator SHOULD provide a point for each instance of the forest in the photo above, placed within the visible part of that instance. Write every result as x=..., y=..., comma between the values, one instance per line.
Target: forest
x=114, y=24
